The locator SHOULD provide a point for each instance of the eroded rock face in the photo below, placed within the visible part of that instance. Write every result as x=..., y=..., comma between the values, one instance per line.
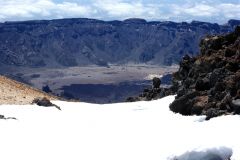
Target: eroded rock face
x=210, y=83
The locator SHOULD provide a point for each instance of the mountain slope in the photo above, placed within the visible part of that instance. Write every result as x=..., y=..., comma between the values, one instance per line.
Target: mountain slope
x=13, y=92
x=77, y=42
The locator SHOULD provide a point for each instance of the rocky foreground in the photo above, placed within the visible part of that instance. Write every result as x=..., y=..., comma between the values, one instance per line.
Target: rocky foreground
x=208, y=84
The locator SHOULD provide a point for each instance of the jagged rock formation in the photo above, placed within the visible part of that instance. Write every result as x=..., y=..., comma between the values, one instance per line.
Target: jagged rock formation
x=155, y=92
x=209, y=84
x=76, y=42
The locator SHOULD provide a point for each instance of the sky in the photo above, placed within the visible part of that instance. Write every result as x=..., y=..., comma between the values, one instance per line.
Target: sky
x=216, y=11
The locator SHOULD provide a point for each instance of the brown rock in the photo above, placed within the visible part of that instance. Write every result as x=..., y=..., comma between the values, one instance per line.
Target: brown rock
x=200, y=103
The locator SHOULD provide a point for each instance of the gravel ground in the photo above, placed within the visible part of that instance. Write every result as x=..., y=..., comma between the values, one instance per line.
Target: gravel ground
x=13, y=92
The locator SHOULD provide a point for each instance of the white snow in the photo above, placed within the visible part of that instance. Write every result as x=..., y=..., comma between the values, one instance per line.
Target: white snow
x=124, y=131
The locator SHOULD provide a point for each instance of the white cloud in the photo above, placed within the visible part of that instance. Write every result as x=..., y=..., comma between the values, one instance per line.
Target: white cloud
x=122, y=10
x=230, y=10
x=73, y=9
x=204, y=11
x=40, y=9
x=201, y=10
x=207, y=10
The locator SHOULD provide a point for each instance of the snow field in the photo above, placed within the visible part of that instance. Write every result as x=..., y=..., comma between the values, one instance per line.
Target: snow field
x=123, y=131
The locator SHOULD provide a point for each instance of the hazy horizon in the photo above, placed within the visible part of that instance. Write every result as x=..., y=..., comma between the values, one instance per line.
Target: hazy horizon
x=218, y=11
x=118, y=20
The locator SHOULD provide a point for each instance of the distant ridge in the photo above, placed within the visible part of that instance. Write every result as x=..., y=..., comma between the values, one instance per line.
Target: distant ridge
x=82, y=41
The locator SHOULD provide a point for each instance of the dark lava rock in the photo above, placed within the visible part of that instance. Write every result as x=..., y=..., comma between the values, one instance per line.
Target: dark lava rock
x=219, y=86
x=132, y=99
x=2, y=117
x=200, y=103
x=213, y=77
x=211, y=113
x=202, y=84
x=178, y=107
x=156, y=82
x=208, y=84
x=229, y=52
x=6, y=118
x=45, y=102
x=152, y=93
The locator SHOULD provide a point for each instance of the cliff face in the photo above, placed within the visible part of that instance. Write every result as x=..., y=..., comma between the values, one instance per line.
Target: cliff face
x=76, y=42
x=209, y=84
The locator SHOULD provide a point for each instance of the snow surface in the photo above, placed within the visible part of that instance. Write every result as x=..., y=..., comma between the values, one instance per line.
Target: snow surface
x=124, y=131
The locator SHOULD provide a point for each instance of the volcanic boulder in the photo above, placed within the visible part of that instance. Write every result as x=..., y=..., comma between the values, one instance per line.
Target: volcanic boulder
x=44, y=102
x=156, y=82
x=209, y=84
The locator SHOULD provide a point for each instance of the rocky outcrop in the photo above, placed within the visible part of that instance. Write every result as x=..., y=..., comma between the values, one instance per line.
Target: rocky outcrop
x=45, y=102
x=155, y=92
x=209, y=84
x=78, y=42
x=156, y=82
x=6, y=118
